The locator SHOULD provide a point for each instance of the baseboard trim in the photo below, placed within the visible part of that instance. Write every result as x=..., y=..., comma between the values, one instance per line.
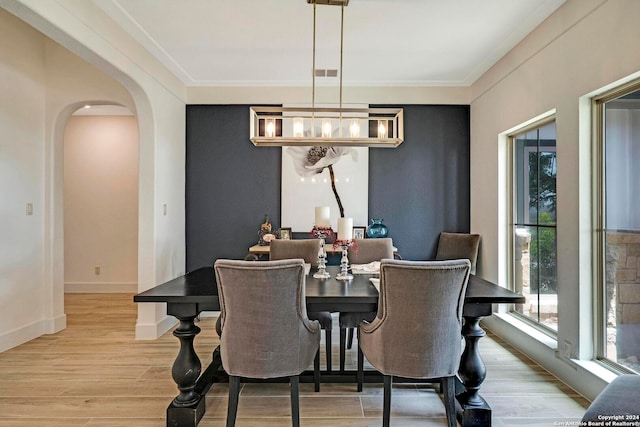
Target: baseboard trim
x=100, y=287
x=151, y=331
x=56, y=324
x=23, y=334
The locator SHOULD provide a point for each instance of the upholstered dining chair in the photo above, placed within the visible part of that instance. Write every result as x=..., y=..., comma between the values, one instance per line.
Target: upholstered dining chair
x=459, y=246
x=409, y=341
x=265, y=329
x=363, y=252
x=307, y=249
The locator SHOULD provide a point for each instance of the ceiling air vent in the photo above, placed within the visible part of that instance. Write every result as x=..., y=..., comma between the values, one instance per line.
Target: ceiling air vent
x=319, y=72
x=330, y=2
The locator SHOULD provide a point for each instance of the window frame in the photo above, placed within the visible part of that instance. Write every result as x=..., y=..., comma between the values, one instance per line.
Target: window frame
x=513, y=203
x=600, y=309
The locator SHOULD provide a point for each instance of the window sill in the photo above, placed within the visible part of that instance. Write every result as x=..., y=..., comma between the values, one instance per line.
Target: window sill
x=588, y=377
x=525, y=328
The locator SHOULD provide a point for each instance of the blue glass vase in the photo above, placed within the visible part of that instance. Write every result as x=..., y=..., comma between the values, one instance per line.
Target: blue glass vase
x=377, y=229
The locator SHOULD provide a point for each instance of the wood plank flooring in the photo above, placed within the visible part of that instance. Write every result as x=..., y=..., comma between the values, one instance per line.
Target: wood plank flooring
x=94, y=373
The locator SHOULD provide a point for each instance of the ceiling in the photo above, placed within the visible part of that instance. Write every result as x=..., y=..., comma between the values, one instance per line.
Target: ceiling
x=386, y=42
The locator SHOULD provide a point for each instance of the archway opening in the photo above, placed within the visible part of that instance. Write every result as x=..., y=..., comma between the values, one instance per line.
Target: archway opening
x=101, y=146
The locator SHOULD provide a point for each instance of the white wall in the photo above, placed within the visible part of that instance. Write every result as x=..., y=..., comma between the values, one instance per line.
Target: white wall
x=158, y=102
x=40, y=81
x=22, y=85
x=583, y=47
x=48, y=83
x=101, y=204
x=328, y=95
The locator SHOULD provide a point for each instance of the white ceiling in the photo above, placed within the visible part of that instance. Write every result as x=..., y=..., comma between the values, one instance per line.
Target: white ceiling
x=386, y=42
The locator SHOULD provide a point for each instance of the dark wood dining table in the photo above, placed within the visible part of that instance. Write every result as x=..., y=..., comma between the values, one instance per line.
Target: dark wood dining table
x=195, y=292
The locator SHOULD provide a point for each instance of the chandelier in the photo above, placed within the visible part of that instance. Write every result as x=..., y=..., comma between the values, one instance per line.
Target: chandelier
x=355, y=127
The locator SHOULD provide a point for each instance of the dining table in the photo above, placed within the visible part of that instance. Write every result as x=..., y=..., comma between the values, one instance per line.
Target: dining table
x=189, y=295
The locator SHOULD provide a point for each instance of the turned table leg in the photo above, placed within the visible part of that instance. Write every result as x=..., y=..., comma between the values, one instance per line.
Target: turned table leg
x=186, y=368
x=188, y=407
x=473, y=409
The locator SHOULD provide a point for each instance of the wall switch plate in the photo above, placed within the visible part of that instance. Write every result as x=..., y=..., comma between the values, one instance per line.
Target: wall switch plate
x=97, y=271
x=164, y=209
x=29, y=209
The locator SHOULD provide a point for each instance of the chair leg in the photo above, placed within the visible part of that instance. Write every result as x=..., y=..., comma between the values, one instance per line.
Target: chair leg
x=448, y=390
x=343, y=339
x=316, y=371
x=360, y=374
x=386, y=408
x=295, y=401
x=350, y=338
x=234, y=392
x=327, y=335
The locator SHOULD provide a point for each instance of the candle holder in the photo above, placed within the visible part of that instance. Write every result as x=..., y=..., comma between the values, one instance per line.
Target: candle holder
x=319, y=232
x=322, y=233
x=322, y=273
x=344, y=274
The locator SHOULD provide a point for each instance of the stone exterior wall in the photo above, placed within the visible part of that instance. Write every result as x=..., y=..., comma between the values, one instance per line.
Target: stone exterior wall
x=623, y=291
x=623, y=275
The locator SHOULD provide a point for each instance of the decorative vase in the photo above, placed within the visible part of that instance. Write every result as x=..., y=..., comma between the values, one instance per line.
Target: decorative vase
x=377, y=229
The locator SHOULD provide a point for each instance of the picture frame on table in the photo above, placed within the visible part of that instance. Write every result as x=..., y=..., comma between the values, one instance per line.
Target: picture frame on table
x=359, y=232
x=285, y=233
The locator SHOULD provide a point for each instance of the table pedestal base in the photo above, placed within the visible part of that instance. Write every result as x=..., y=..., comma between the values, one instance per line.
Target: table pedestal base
x=187, y=416
x=478, y=414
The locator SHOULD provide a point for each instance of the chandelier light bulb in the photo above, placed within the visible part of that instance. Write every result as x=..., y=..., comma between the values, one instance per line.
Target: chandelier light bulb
x=270, y=128
x=382, y=129
x=298, y=127
x=354, y=129
x=326, y=128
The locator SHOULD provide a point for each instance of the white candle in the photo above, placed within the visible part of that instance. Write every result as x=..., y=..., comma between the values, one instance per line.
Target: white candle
x=345, y=228
x=322, y=216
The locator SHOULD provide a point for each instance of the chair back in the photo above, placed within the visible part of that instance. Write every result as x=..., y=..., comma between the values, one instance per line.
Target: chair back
x=265, y=329
x=459, y=246
x=369, y=250
x=417, y=331
x=307, y=249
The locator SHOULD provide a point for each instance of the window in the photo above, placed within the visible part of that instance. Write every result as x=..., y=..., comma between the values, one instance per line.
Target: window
x=534, y=224
x=618, y=338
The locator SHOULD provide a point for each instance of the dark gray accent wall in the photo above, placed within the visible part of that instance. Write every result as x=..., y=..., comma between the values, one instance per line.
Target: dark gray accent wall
x=419, y=188
x=230, y=184
x=422, y=187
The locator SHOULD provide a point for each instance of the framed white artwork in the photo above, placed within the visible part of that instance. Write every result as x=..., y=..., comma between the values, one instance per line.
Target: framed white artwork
x=304, y=186
x=307, y=175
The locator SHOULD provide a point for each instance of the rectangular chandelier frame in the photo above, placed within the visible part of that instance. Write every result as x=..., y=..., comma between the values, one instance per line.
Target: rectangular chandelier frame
x=353, y=127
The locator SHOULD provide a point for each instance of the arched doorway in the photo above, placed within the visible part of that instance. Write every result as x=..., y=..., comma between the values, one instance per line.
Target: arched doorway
x=100, y=190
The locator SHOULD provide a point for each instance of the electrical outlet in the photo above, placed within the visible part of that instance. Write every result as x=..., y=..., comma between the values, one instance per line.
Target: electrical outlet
x=566, y=350
x=97, y=271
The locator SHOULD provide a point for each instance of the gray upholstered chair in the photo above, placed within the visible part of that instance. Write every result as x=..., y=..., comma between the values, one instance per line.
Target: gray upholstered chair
x=620, y=397
x=307, y=249
x=459, y=246
x=265, y=329
x=417, y=331
x=368, y=250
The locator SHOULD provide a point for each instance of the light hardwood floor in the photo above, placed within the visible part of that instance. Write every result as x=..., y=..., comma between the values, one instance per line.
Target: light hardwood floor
x=94, y=373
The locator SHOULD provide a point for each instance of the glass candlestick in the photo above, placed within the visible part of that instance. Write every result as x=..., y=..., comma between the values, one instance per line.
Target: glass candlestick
x=344, y=266
x=322, y=273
